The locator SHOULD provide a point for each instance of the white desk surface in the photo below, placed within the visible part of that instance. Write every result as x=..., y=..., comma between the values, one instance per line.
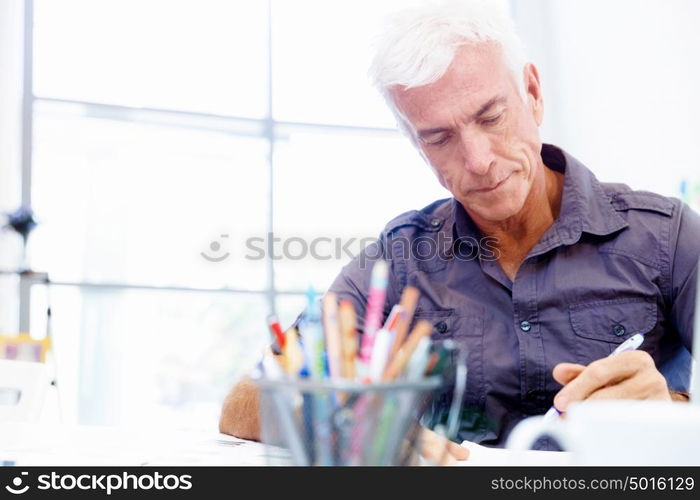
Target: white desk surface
x=38, y=444
x=61, y=445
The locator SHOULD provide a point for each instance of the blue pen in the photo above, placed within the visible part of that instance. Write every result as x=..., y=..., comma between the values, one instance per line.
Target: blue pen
x=631, y=344
x=310, y=331
x=316, y=405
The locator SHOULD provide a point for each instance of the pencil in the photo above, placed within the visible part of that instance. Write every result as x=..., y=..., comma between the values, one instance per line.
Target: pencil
x=294, y=358
x=332, y=332
x=409, y=299
x=422, y=329
x=348, y=328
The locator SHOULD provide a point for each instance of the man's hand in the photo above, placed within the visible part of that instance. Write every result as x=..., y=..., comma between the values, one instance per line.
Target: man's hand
x=433, y=449
x=629, y=375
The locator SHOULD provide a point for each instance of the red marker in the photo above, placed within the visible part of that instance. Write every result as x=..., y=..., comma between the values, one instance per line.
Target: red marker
x=276, y=329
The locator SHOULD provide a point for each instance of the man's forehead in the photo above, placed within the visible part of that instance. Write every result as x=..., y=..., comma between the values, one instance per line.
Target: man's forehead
x=477, y=74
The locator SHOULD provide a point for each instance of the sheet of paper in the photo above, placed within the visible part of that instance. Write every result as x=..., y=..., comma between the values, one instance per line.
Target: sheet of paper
x=483, y=455
x=206, y=450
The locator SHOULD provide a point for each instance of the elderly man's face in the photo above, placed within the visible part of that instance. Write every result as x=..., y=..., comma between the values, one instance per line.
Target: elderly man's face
x=478, y=134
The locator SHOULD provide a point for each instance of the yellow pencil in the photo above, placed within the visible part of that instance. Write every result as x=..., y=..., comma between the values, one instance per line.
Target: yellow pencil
x=348, y=328
x=293, y=357
x=331, y=329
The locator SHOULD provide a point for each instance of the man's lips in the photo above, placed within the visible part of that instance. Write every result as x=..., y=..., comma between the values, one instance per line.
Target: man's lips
x=493, y=187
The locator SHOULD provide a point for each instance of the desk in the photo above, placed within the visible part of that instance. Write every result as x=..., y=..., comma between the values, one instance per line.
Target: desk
x=41, y=445
x=58, y=445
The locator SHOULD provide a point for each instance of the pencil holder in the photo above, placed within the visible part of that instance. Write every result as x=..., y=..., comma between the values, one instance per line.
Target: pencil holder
x=307, y=422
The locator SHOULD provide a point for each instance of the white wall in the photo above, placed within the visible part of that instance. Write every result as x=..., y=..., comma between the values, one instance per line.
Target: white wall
x=620, y=80
x=10, y=101
x=10, y=149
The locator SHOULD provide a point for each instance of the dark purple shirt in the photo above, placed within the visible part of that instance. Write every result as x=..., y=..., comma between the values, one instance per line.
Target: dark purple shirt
x=614, y=263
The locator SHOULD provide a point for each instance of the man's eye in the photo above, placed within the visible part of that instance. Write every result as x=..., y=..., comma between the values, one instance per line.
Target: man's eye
x=439, y=142
x=492, y=120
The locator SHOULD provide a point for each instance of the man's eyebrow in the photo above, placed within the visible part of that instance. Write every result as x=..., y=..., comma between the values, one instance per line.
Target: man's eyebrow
x=489, y=104
x=482, y=110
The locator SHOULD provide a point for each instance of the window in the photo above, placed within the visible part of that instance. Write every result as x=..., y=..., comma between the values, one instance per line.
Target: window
x=159, y=139
x=208, y=56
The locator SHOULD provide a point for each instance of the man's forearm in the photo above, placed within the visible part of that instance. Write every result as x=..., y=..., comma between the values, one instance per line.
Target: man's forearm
x=241, y=410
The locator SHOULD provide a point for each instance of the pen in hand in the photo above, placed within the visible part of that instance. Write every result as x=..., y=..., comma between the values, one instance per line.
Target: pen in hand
x=631, y=344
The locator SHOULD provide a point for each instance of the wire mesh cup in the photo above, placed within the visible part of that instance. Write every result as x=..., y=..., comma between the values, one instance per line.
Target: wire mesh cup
x=307, y=422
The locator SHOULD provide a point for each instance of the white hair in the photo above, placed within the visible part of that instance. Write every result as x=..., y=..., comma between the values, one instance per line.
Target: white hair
x=418, y=44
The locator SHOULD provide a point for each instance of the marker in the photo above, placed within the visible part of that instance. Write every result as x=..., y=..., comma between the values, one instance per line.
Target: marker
x=331, y=328
x=419, y=360
x=348, y=328
x=316, y=406
x=631, y=344
x=375, y=309
x=380, y=354
x=312, y=336
x=276, y=331
x=432, y=363
x=445, y=353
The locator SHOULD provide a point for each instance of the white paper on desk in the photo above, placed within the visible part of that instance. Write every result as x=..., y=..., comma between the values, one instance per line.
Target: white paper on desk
x=482, y=455
x=203, y=449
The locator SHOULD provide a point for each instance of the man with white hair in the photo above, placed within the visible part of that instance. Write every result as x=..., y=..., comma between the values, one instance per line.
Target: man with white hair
x=571, y=267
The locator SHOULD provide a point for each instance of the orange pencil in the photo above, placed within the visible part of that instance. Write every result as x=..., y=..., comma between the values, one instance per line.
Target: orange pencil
x=409, y=299
x=422, y=329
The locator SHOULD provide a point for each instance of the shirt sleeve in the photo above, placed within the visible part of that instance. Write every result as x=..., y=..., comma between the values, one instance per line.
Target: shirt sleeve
x=684, y=274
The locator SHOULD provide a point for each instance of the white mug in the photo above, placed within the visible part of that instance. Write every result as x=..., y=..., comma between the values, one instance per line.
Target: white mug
x=609, y=432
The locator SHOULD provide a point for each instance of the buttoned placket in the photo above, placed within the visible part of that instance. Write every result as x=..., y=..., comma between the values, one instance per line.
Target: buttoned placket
x=526, y=328
x=524, y=295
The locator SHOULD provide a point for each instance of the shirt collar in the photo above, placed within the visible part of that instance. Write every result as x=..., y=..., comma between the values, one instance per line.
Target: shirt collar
x=585, y=207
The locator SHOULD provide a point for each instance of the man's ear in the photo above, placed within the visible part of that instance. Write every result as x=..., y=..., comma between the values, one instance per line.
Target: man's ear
x=533, y=92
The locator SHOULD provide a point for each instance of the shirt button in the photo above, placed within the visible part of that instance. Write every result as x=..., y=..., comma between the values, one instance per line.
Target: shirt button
x=441, y=327
x=619, y=330
x=435, y=222
x=525, y=326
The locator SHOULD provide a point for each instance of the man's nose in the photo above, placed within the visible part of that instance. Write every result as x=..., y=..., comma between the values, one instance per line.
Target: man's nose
x=476, y=153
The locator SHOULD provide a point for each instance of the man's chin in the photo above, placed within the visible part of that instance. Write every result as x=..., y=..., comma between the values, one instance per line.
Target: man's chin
x=493, y=214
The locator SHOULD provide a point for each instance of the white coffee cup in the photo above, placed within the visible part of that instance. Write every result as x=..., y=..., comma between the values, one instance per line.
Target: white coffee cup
x=619, y=433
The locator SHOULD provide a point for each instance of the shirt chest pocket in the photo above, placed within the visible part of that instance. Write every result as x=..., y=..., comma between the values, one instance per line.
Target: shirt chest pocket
x=601, y=326
x=466, y=332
